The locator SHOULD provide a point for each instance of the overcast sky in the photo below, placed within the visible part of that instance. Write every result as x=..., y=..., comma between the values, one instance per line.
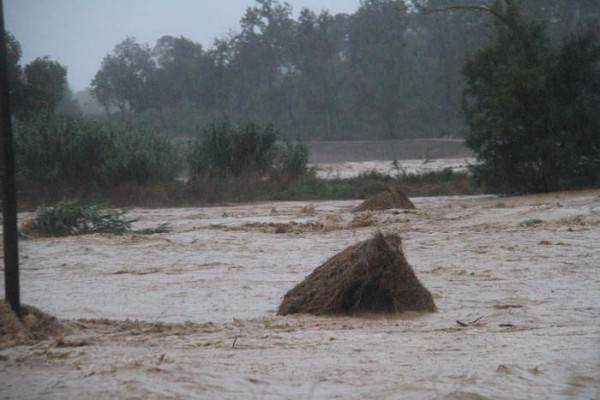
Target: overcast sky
x=79, y=33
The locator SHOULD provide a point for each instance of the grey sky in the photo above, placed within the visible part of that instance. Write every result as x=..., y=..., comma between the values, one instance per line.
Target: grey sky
x=79, y=33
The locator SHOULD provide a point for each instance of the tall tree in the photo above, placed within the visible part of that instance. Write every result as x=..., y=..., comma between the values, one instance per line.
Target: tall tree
x=15, y=72
x=532, y=108
x=320, y=51
x=46, y=84
x=180, y=67
x=122, y=78
x=377, y=55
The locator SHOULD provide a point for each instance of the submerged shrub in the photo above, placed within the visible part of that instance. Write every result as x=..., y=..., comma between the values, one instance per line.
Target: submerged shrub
x=71, y=219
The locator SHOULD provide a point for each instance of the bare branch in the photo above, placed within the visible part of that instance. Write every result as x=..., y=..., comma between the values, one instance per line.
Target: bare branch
x=481, y=9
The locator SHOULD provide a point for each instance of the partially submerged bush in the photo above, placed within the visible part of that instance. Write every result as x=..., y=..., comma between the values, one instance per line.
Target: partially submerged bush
x=71, y=219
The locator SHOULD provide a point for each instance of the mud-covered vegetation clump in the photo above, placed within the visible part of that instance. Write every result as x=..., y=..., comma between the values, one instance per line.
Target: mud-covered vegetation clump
x=372, y=276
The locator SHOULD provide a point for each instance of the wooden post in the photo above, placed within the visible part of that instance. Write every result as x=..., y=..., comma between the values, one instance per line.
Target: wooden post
x=9, y=192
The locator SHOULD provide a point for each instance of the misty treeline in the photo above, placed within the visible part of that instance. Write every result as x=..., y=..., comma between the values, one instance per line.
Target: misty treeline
x=519, y=79
x=389, y=70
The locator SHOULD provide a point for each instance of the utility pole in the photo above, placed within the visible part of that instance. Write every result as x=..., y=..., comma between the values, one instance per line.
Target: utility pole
x=9, y=190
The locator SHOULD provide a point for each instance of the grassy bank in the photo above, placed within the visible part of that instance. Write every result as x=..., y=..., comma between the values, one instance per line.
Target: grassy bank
x=247, y=188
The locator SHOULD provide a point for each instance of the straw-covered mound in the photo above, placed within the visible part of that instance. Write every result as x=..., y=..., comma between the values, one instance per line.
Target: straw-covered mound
x=369, y=277
x=390, y=198
x=32, y=327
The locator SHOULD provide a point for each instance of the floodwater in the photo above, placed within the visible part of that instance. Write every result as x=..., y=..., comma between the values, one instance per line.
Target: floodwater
x=351, y=169
x=191, y=313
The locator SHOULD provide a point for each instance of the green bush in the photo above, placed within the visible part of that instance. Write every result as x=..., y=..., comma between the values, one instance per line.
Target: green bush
x=291, y=159
x=71, y=219
x=78, y=151
x=226, y=149
x=140, y=156
x=52, y=149
x=68, y=219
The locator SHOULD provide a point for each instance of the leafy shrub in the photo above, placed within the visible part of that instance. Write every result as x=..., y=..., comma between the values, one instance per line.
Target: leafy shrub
x=76, y=151
x=51, y=149
x=71, y=219
x=292, y=159
x=228, y=149
x=140, y=156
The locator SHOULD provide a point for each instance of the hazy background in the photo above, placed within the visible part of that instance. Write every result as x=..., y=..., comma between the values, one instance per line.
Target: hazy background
x=79, y=33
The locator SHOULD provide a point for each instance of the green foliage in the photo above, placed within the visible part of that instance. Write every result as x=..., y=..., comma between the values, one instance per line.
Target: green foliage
x=291, y=159
x=71, y=219
x=378, y=32
x=141, y=156
x=37, y=87
x=533, y=109
x=14, y=71
x=77, y=151
x=46, y=83
x=123, y=77
x=383, y=71
x=228, y=149
x=441, y=183
x=59, y=149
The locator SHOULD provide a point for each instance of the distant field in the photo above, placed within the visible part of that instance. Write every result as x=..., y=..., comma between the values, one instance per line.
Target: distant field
x=338, y=151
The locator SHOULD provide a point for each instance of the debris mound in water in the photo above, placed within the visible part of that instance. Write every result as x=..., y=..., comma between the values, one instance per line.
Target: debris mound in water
x=390, y=198
x=370, y=276
x=32, y=327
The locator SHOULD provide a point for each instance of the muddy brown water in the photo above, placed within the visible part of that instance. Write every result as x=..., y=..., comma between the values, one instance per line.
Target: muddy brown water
x=191, y=313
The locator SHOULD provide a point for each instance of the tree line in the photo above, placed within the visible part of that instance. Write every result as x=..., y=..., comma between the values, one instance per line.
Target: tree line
x=519, y=79
x=389, y=70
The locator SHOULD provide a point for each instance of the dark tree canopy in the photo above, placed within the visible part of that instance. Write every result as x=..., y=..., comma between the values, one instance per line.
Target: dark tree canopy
x=46, y=84
x=533, y=108
x=388, y=70
x=124, y=75
x=39, y=86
